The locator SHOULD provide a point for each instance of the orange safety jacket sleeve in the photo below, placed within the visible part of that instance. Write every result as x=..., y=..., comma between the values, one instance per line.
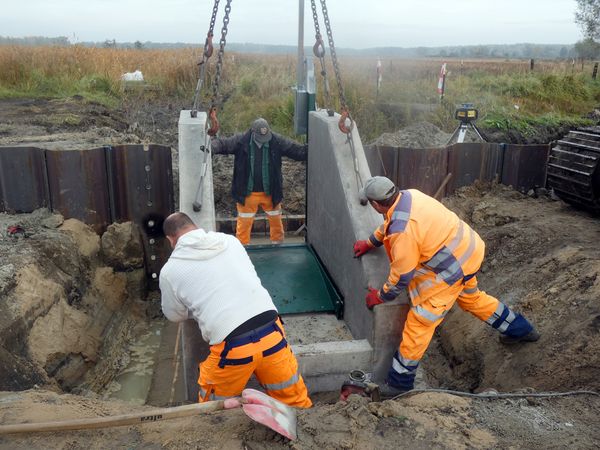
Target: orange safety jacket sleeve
x=376, y=239
x=404, y=256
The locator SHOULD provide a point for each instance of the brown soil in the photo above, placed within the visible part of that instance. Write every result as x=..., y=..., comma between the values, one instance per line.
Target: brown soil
x=542, y=259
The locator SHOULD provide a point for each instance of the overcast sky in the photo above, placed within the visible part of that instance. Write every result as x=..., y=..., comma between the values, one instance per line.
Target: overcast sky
x=355, y=23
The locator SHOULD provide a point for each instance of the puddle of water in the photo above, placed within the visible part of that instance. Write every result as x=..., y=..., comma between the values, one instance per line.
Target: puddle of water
x=133, y=383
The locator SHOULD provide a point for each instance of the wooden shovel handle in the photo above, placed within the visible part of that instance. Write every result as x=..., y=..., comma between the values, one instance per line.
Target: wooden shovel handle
x=116, y=421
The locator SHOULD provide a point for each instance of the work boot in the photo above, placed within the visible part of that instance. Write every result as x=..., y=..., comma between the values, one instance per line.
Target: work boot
x=532, y=336
x=387, y=391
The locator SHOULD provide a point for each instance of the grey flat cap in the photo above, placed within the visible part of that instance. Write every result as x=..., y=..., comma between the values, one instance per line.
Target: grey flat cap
x=378, y=189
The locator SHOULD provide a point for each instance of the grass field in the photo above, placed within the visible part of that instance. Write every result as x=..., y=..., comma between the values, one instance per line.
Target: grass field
x=506, y=92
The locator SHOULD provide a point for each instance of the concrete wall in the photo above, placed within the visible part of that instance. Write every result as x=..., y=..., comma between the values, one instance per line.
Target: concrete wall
x=192, y=136
x=335, y=220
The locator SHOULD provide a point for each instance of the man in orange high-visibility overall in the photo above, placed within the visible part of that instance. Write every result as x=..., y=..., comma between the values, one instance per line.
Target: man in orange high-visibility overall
x=436, y=256
x=210, y=278
x=257, y=179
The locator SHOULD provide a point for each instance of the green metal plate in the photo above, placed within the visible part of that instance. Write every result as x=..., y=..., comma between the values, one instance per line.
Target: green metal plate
x=295, y=279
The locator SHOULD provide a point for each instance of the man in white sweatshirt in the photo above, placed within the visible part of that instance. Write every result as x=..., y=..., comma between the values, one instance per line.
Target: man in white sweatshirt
x=210, y=278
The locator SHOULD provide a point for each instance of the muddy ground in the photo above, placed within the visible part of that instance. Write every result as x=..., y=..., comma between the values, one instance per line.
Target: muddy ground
x=542, y=259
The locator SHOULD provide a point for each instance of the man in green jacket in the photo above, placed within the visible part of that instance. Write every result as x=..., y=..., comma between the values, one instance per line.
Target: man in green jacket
x=257, y=178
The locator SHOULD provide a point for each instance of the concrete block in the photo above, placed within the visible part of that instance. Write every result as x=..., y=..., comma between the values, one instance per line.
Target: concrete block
x=387, y=334
x=333, y=357
x=335, y=220
x=192, y=137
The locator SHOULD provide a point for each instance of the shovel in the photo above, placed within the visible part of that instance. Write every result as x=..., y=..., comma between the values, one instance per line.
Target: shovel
x=258, y=406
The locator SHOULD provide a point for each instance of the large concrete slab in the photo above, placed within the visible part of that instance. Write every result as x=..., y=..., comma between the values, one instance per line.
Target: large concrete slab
x=192, y=137
x=335, y=220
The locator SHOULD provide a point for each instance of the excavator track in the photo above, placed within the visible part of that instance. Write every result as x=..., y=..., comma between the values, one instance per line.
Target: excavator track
x=573, y=168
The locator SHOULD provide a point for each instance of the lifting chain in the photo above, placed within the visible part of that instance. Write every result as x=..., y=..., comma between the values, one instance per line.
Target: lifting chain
x=207, y=53
x=319, y=52
x=212, y=115
x=346, y=123
x=345, y=112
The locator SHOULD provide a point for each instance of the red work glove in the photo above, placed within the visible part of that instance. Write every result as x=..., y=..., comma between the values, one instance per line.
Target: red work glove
x=361, y=247
x=372, y=299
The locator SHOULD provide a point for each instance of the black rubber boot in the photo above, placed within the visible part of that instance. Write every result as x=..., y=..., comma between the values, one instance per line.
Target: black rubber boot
x=532, y=336
x=387, y=391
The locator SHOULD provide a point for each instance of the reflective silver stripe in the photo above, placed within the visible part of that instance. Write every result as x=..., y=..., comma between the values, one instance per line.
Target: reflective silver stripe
x=471, y=248
x=439, y=257
x=393, y=289
x=427, y=314
x=408, y=362
x=471, y=290
x=401, y=215
x=458, y=238
x=246, y=215
x=416, y=292
x=456, y=266
x=275, y=212
x=399, y=368
x=285, y=384
x=496, y=314
x=504, y=326
x=446, y=274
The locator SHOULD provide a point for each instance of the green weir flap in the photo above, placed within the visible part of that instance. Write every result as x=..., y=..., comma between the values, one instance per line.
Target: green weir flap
x=294, y=277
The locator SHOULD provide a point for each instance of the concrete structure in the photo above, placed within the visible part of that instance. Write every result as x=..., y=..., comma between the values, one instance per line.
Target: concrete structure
x=335, y=220
x=327, y=348
x=192, y=138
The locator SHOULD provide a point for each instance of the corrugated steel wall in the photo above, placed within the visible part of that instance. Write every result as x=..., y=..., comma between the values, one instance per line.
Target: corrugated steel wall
x=23, y=179
x=97, y=186
x=520, y=166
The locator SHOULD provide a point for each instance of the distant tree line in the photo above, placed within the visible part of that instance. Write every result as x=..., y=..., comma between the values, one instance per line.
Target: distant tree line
x=587, y=17
x=583, y=49
x=35, y=41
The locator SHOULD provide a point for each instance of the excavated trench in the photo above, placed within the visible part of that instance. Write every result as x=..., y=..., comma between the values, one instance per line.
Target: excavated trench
x=76, y=312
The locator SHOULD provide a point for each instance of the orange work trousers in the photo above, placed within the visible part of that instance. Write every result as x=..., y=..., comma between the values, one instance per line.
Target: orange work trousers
x=270, y=360
x=247, y=211
x=423, y=318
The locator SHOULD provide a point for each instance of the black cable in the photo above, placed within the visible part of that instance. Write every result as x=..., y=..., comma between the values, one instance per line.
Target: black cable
x=496, y=395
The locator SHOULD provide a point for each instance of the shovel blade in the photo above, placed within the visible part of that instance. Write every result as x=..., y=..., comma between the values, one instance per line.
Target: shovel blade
x=270, y=412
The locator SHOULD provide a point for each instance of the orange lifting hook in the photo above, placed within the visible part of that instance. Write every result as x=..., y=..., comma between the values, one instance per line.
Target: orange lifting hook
x=342, y=123
x=208, y=46
x=214, y=122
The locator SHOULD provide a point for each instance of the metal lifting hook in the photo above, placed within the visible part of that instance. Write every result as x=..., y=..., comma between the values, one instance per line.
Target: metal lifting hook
x=345, y=128
x=214, y=122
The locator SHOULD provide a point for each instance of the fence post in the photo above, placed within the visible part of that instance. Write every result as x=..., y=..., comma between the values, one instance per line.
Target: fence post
x=595, y=71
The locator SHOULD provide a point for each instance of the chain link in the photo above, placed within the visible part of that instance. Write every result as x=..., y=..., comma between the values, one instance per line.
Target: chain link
x=207, y=53
x=315, y=19
x=336, y=67
x=345, y=112
x=213, y=105
x=319, y=52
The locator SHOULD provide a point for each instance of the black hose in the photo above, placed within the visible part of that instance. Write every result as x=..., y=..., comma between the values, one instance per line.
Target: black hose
x=496, y=395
